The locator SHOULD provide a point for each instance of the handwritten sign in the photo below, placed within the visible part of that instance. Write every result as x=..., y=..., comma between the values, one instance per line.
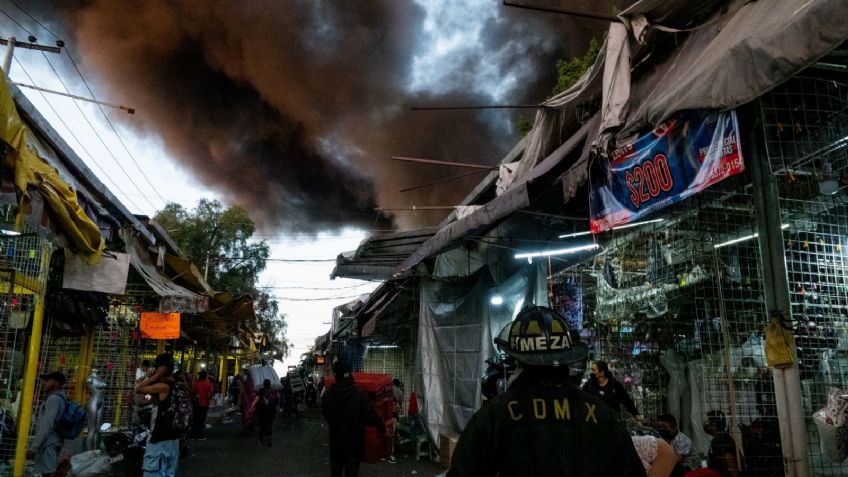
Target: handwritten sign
x=160, y=326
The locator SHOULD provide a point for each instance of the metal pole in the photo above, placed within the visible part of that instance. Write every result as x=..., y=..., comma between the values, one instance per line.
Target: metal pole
x=30, y=373
x=787, y=382
x=10, y=51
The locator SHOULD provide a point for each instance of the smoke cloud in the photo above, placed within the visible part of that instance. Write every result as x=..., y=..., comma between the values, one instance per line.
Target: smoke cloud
x=293, y=108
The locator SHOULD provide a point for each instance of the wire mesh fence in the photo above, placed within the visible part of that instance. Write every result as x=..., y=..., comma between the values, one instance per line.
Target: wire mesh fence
x=805, y=125
x=676, y=307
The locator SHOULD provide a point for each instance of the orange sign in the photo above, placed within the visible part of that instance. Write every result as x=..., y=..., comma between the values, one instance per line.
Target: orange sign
x=160, y=326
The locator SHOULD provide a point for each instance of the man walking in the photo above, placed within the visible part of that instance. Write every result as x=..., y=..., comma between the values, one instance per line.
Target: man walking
x=543, y=424
x=348, y=410
x=203, y=390
x=47, y=444
x=163, y=449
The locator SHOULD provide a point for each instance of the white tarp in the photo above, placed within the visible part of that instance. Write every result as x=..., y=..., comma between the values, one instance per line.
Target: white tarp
x=456, y=329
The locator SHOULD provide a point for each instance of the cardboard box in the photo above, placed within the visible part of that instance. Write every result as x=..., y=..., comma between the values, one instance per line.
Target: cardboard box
x=447, y=443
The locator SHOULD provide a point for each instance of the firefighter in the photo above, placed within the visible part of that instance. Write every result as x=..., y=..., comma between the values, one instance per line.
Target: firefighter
x=543, y=424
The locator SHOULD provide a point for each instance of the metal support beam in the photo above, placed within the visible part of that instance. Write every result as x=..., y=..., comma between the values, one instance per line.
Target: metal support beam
x=787, y=382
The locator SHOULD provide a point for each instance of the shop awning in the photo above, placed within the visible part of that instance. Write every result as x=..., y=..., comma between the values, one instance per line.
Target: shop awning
x=379, y=256
x=33, y=174
x=514, y=198
x=731, y=58
x=172, y=297
x=380, y=298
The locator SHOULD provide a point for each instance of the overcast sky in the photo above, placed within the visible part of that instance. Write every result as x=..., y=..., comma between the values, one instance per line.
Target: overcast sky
x=291, y=108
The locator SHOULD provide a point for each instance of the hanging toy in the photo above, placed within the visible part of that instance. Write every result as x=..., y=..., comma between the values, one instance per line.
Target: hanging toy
x=109, y=366
x=62, y=359
x=114, y=335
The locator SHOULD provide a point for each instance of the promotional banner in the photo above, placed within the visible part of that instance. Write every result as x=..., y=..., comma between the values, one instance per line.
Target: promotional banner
x=681, y=157
x=160, y=326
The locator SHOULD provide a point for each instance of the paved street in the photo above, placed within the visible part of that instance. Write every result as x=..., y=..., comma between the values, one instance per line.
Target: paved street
x=300, y=449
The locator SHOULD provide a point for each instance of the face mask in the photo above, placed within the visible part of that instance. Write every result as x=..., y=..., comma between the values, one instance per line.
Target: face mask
x=667, y=435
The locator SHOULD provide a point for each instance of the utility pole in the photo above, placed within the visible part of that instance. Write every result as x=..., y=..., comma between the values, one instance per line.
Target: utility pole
x=12, y=42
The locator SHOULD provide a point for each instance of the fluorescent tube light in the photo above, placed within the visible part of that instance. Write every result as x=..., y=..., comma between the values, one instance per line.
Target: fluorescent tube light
x=620, y=227
x=563, y=251
x=496, y=300
x=747, y=237
x=9, y=233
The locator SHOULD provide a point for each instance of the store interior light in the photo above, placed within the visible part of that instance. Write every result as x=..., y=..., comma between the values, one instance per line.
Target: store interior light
x=496, y=300
x=620, y=227
x=9, y=233
x=747, y=237
x=202, y=365
x=562, y=251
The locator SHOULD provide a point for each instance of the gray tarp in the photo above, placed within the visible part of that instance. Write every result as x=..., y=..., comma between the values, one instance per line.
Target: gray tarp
x=172, y=297
x=514, y=198
x=734, y=57
x=456, y=328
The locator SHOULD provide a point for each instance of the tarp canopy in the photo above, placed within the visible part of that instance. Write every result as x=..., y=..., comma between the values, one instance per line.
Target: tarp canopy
x=34, y=174
x=455, y=334
x=516, y=197
x=173, y=298
x=736, y=55
x=378, y=256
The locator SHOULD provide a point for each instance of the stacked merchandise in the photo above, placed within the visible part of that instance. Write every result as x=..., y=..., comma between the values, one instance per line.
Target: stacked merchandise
x=379, y=389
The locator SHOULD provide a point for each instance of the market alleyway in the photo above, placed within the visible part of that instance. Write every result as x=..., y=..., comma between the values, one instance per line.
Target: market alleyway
x=300, y=450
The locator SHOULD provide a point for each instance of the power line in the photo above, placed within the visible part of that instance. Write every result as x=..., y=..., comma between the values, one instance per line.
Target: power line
x=283, y=298
x=315, y=288
x=71, y=132
x=33, y=19
x=94, y=130
x=112, y=126
x=17, y=23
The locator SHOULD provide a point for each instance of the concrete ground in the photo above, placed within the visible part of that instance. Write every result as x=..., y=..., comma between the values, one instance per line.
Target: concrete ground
x=299, y=450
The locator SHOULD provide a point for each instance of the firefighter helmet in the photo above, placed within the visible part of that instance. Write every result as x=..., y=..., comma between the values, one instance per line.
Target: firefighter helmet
x=539, y=336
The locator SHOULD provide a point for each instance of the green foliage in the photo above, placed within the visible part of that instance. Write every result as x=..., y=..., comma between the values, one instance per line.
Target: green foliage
x=568, y=72
x=524, y=125
x=217, y=240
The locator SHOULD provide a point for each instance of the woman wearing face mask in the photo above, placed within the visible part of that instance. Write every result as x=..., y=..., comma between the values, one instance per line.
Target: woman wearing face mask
x=603, y=385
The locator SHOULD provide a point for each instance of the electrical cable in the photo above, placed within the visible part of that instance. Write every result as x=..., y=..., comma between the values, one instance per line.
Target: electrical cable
x=97, y=134
x=16, y=22
x=70, y=131
x=112, y=126
x=33, y=19
x=283, y=298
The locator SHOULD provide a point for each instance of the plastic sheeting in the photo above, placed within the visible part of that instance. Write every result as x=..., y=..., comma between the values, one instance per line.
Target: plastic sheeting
x=456, y=330
x=34, y=173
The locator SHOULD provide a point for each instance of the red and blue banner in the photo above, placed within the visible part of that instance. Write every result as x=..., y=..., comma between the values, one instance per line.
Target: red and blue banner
x=681, y=157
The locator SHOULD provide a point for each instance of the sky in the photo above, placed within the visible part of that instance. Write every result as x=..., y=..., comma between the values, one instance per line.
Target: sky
x=292, y=109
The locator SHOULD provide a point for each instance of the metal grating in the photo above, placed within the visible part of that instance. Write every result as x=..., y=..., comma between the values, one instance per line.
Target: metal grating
x=805, y=123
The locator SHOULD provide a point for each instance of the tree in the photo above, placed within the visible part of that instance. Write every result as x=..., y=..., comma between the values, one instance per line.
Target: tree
x=218, y=241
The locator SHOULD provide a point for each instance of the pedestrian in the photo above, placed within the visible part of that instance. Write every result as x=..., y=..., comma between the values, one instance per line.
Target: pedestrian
x=348, y=410
x=603, y=385
x=265, y=404
x=46, y=445
x=687, y=458
x=543, y=424
x=162, y=451
x=657, y=456
x=397, y=406
x=722, y=454
x=412, y=413
x=202, y=391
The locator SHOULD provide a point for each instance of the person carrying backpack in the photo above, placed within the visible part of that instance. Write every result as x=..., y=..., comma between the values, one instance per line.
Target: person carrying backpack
x=163, y=449
x=266, y=403
x=47, y=443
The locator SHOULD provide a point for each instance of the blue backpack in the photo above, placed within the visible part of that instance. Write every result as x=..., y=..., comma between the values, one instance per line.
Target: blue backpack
x=70, y=421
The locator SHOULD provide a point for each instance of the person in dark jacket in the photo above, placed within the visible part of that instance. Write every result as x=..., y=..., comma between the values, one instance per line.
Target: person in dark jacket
x=603, y=385
x=266, y=403
x=543, y=424
x=348, y=410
